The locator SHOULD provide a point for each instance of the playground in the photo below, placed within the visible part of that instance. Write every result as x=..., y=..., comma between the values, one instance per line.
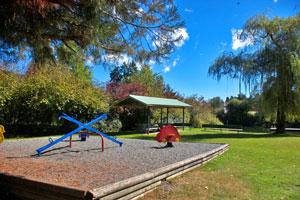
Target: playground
x=86, y=169
x=96, y=167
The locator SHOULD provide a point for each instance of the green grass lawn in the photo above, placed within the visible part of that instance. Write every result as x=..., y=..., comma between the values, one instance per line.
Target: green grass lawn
x=257, y=166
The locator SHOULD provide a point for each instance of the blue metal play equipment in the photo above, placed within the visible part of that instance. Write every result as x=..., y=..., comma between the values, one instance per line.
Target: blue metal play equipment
x=81, y=126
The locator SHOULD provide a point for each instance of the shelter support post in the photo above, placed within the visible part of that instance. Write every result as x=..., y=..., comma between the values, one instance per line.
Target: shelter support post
x=167, y=116
x=161, y=115
x=182, y=118
x=148, y=119
x=145, y=114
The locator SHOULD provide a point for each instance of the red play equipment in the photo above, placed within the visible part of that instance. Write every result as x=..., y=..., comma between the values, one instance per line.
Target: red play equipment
x=168, y=134
x=88, y=133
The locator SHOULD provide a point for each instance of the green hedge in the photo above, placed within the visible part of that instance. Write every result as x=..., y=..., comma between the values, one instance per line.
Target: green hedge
x=221, y=126
x=30, y=105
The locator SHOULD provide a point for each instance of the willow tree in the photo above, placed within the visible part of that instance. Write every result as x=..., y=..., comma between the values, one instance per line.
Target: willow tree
x=271, y=63
x=99, y=29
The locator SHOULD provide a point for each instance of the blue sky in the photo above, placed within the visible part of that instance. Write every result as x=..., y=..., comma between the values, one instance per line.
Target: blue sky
x=210, y=26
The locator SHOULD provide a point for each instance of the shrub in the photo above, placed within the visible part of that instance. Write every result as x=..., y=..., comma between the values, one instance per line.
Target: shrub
x=108, y=125
x=34, y=103
x=196, y=123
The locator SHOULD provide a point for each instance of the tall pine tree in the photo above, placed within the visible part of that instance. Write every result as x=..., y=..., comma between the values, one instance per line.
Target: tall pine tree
x=143, y=30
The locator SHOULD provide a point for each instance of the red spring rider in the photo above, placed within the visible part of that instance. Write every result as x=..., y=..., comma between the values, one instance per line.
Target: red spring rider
x=168, y=134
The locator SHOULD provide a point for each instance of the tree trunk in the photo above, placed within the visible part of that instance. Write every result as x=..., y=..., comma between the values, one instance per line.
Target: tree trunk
x=281, y=98
x=280, y=122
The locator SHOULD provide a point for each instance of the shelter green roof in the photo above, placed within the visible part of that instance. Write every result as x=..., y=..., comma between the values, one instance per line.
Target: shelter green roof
x=143, y=101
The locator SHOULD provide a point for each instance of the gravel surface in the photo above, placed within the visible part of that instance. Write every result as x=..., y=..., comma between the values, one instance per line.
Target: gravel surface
x=85, y=165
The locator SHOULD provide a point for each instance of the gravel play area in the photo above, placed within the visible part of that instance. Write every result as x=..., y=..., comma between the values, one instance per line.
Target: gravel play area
x=85, y=165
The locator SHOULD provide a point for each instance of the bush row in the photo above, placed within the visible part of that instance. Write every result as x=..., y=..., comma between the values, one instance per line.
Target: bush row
x=31, y=104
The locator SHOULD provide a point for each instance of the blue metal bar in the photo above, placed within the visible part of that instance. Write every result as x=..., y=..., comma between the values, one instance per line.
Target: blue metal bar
x=90, y=128
x=40, y=150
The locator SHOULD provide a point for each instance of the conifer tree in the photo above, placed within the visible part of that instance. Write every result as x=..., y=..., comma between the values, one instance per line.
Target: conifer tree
x=143, y=30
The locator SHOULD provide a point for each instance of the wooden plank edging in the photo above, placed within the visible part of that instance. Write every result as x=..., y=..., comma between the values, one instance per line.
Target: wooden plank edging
x=33, y=187
x=119, y=189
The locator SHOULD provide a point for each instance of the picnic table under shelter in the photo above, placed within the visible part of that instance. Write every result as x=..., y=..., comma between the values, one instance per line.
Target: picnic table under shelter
x=135, y=101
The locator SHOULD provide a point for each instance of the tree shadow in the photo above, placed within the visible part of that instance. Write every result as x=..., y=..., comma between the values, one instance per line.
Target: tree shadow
x=192, y=137
x=164, y=147
x=76, y=140
x=203, y=136
x=142, y=138
x=55, y=151
x=46, y=153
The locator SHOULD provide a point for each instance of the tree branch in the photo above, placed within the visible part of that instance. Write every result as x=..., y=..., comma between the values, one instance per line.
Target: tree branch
x=273, y=40
x=132, y=24
x=68, y=46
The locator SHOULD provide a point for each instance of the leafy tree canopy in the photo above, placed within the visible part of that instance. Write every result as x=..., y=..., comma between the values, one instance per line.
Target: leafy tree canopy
x=237, y=110
x=271, y=64
x=43, y=29
x=200, y=112
x=217, y=104
x=152, y=81
x=171, y=94
x=127, y=79
x=123, y=73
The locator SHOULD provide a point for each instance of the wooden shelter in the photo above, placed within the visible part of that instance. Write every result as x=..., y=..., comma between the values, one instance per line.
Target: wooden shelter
x=134, y=101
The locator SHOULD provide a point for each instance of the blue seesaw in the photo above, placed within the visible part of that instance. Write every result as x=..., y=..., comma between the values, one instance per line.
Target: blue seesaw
x=81, y=126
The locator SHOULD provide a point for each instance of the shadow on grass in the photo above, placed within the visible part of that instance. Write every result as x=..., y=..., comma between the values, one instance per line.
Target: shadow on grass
x=231, y=136
x=128, y=132
x=203, y=136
